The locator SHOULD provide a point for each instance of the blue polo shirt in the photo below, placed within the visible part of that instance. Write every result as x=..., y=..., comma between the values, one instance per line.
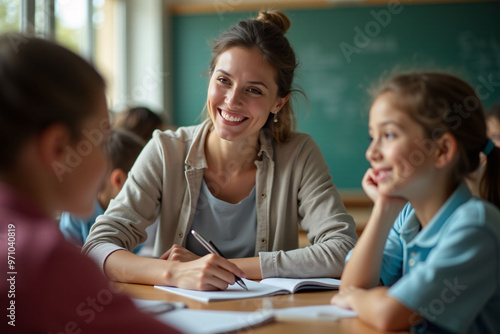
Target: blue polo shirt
x=76, y=229
x=449, y=272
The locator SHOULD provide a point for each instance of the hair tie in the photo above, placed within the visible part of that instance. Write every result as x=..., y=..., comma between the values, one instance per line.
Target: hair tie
x=489, y=147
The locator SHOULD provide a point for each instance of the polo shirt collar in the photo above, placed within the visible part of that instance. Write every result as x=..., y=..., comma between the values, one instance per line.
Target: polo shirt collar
x=429, y=236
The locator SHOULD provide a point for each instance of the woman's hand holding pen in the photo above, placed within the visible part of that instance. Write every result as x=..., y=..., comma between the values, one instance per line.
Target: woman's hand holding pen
x=210, y=272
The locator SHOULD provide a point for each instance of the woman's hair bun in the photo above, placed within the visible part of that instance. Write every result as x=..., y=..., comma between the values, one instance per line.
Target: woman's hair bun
x=276, y=18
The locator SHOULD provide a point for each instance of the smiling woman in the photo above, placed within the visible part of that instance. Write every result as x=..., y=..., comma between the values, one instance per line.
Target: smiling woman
x=243, y=178
x=242, y=94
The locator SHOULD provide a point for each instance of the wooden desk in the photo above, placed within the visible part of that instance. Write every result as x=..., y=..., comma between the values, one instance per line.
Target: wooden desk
x=350, y=325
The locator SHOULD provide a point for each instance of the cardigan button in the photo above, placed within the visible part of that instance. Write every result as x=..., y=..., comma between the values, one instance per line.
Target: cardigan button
x=181, y=235
x=263, y=240
x=263, y=196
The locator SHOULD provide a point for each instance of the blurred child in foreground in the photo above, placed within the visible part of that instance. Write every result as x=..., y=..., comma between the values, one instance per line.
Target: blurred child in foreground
x=54, y=125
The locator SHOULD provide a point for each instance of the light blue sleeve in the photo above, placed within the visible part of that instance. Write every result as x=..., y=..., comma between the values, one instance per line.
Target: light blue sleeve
x=76, y=229
x=73, y=228
x=392, y=260
x=455, y=282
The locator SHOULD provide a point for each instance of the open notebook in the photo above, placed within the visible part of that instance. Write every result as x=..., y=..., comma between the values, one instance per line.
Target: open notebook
x=266, y=287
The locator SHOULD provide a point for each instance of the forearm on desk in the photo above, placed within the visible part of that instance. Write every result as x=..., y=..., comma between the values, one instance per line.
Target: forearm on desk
x=250, y=265
x=380, y=310
x=123, y=266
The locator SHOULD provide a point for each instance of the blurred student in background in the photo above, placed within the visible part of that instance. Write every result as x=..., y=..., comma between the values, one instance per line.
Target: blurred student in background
x=122, y=150
x=493, y=123
x=141, y=121
x=53, y=128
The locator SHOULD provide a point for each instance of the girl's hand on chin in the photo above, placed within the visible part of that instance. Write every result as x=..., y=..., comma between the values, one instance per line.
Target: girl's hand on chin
x=388, y=203
x=370, y=186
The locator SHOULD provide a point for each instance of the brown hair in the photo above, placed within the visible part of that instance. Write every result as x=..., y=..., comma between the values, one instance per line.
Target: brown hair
x=494, y=111
x=123, y=149
x=140, y=120
x=267, y=32
x=41, y=83
x=443, y=103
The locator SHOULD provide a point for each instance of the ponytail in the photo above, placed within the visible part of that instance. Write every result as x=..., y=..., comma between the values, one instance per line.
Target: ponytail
x=489, y=186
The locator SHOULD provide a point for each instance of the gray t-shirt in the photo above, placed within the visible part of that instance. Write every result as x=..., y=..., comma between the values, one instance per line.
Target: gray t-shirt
x=231, y=227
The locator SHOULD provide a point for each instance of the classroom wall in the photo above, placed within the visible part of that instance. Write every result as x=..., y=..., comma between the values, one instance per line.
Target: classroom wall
x=343, y=50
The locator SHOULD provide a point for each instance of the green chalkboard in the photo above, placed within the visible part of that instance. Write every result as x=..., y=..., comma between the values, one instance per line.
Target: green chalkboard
x=343, y=51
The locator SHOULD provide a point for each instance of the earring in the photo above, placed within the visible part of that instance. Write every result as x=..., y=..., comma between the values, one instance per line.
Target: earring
x=276, y=117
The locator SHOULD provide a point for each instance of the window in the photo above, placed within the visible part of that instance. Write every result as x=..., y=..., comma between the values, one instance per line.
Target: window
x=9, y=15
x=111, y=34
x=86, y=27
x=108, y=38
x=70, y=25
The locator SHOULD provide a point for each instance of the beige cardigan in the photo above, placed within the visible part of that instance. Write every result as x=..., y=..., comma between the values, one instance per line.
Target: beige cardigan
x=293, y=186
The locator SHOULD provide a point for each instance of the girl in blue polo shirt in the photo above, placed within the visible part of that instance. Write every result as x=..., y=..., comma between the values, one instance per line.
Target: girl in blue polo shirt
x=429, y=257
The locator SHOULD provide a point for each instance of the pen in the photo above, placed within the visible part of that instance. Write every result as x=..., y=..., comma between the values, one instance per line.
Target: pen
x=213, y=249
x=163, y=307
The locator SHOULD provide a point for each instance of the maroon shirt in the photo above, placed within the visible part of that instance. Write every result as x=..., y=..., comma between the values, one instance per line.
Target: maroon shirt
x=47, y=286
